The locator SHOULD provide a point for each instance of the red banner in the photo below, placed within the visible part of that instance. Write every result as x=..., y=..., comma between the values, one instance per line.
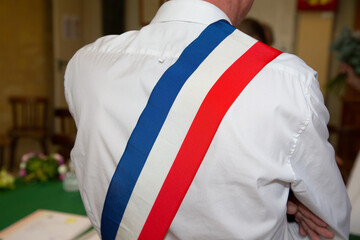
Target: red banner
x=321, y=5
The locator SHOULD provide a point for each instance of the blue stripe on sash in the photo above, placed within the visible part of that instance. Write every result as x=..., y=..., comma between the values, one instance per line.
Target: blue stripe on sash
x=150, y=124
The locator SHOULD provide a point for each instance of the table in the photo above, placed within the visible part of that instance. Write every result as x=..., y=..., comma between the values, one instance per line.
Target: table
x=27, y=198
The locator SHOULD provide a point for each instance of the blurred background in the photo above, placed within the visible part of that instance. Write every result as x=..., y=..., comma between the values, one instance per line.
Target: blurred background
x=38, y=37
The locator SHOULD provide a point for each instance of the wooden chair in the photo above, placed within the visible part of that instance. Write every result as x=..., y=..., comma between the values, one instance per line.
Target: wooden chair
x=347, y=148
x=64, y=131
x=3, y=144
x=30, y=120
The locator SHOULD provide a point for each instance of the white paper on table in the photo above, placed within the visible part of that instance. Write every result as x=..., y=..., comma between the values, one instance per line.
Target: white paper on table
x=91, y=235
x=47, y=225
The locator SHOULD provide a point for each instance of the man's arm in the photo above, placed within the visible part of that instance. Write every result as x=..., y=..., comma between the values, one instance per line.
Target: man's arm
x=318, y=184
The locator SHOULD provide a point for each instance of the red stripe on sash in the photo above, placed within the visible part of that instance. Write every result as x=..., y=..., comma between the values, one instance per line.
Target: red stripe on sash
x=199, y=137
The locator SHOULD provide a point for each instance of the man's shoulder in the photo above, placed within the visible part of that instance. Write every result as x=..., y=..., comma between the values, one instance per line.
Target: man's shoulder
x=109, y=43
x=287, y=63
x=292, y=65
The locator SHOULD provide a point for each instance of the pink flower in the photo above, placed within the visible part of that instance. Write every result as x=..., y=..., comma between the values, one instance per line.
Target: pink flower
x=42, y=156
x=33, y=154
x=26, y=157
x=22, y=173
x=61, y=176
x=59, y=158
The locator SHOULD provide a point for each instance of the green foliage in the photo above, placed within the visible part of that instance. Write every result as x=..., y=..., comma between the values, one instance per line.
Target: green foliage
x=6, y=180
x=38, y=167
x=347, y=47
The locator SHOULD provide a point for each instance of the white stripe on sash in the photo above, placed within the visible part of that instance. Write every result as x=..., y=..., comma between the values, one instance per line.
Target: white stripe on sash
x=170, y=138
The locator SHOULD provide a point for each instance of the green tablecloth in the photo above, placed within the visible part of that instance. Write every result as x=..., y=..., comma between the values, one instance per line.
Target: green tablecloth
x=352, y=237
x=27, y=198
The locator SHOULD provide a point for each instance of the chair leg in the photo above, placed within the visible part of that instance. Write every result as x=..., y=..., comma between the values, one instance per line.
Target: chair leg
x=1, y=156
x=66, y=149
x=44, y=146
x=13, y=143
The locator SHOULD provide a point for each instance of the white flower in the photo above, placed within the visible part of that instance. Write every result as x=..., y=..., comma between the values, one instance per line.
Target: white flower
x=62, y=169
x=22, y=165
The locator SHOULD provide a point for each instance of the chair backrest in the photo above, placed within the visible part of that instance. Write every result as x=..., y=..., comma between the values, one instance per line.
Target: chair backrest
x=64, y=132
x=29, y=113
x=64, y=123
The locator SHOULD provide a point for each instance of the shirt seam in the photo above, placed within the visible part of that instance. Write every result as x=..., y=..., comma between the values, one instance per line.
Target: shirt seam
x=133, y=51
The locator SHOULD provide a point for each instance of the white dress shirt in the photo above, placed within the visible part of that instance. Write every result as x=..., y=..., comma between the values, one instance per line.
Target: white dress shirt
x=353, y=189
x=273, y=138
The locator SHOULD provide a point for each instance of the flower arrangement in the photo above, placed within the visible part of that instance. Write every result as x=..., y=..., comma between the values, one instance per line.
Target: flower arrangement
x=6, y=180
x=347, y=46
x=36, y=166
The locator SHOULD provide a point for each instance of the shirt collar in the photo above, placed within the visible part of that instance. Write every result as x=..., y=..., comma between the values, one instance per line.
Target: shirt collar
x=196, y=11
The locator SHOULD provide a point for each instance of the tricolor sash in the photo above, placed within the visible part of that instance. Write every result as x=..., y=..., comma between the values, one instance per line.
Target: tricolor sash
x=175, y=130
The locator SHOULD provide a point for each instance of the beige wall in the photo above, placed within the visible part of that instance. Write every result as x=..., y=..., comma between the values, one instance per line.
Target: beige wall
x=26, y=52
x=92, y=10
x=132, y=16
x=313, y=39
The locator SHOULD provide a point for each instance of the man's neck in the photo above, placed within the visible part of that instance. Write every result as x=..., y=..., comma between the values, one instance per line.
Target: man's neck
x=236, y=10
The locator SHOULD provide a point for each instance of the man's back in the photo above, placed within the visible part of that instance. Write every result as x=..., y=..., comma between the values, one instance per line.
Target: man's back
x=260, y=149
